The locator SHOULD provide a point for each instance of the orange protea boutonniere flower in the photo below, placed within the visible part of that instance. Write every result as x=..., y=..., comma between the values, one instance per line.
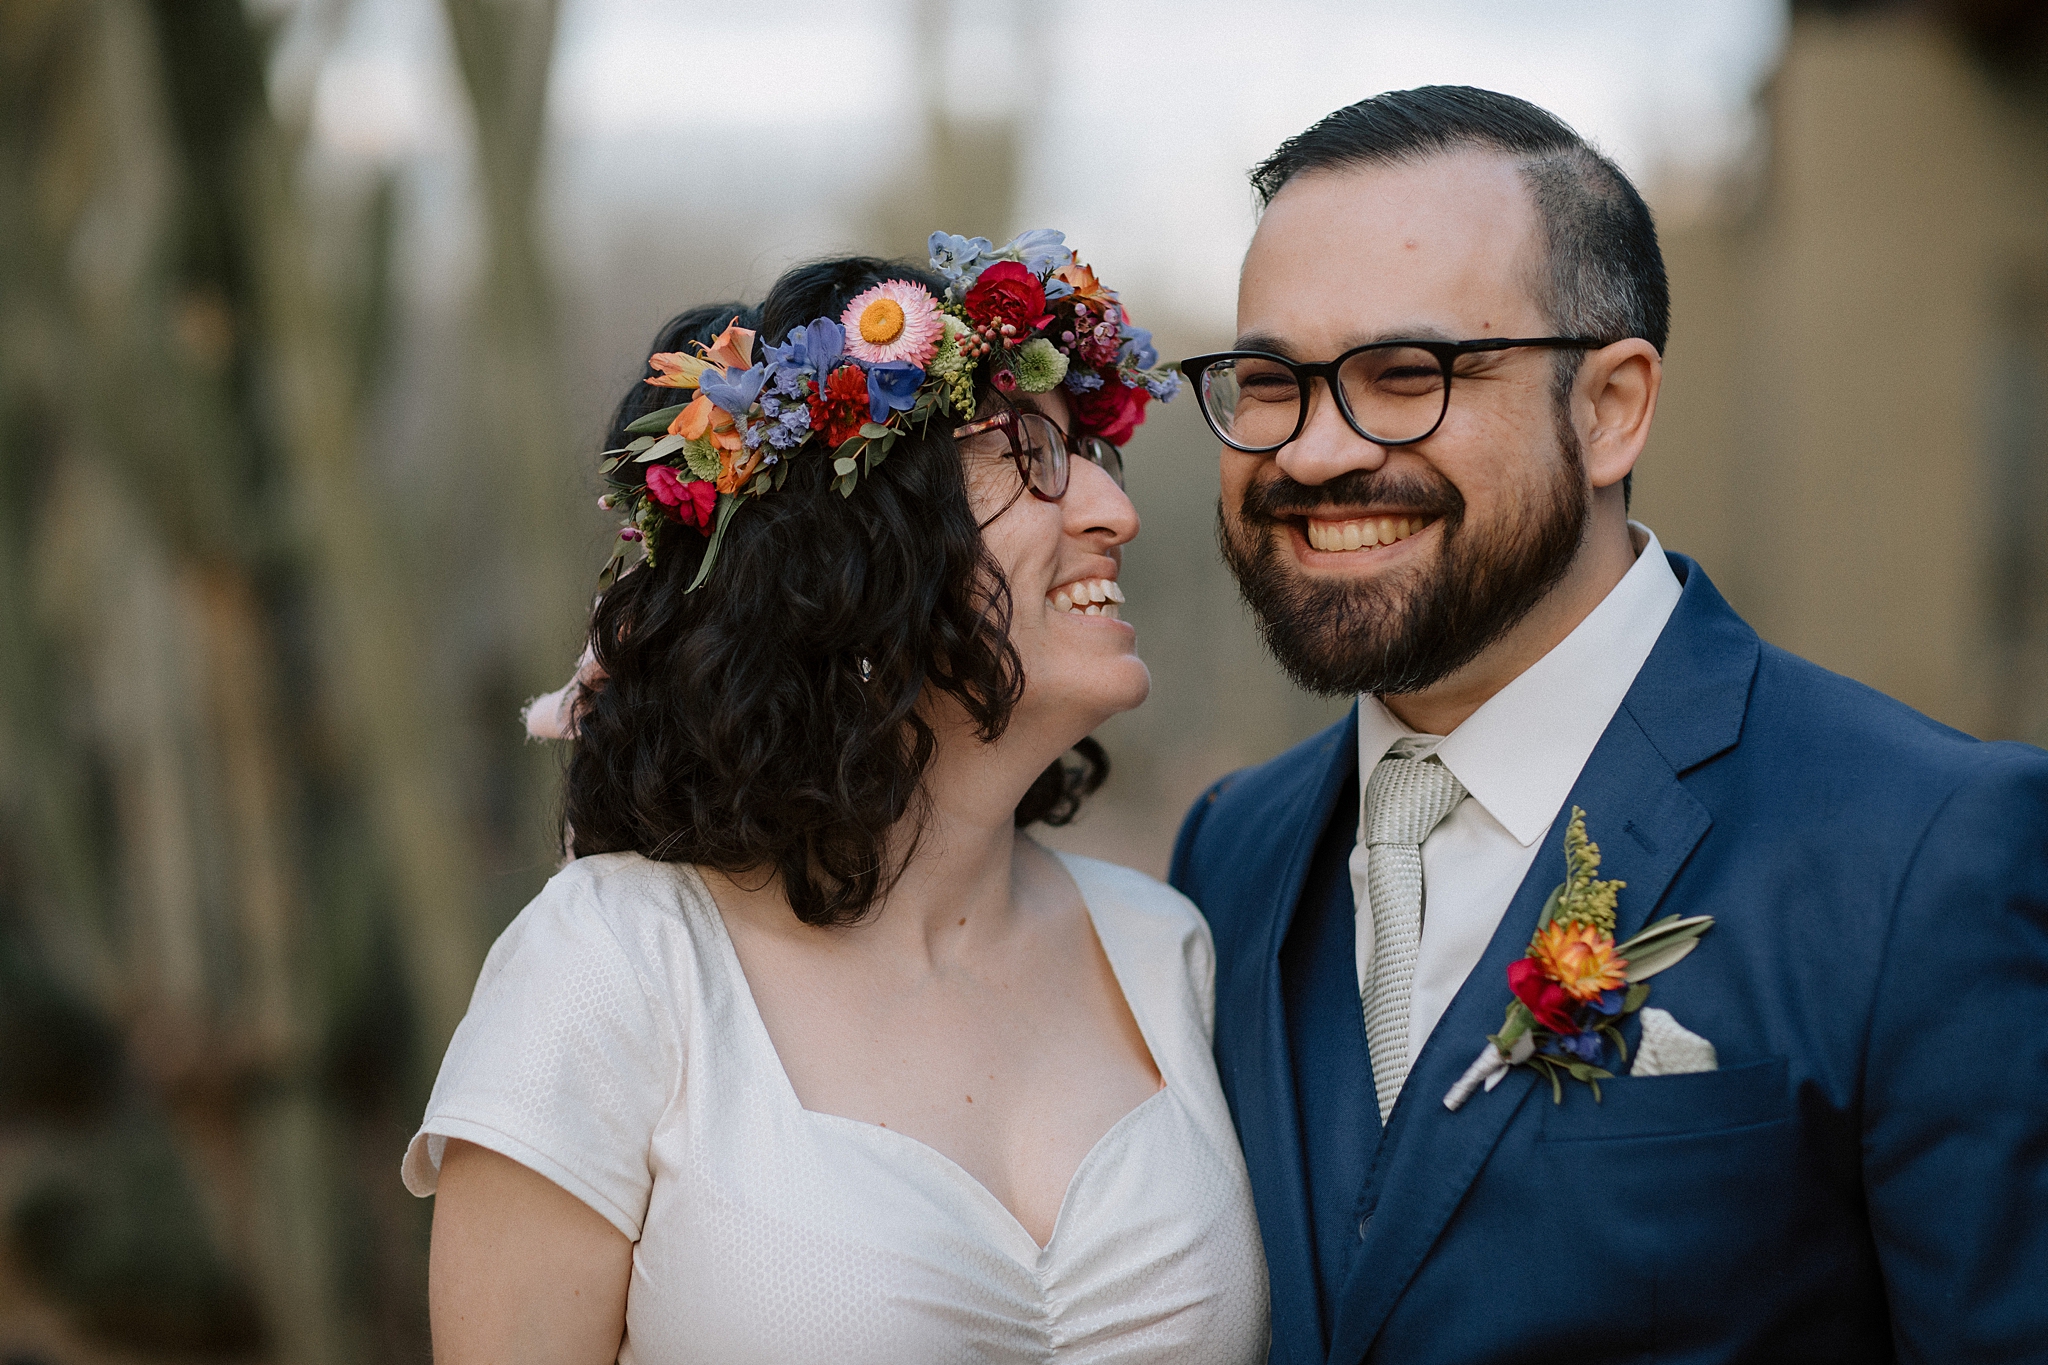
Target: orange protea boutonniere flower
x=1576, y=986
x=1579, y=958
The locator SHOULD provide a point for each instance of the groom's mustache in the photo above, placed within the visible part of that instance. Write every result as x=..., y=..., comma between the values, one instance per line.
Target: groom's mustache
x=1403, y=494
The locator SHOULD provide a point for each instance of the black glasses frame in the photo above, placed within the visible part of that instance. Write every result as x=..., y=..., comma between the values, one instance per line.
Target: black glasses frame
x=1102, y=454
x=1446, y=353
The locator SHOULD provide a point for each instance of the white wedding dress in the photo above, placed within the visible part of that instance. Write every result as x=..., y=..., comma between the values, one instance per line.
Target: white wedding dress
x=613, y=1046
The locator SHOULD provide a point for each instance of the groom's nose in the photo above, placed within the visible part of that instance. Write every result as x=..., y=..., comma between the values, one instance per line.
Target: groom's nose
x=1327, y=445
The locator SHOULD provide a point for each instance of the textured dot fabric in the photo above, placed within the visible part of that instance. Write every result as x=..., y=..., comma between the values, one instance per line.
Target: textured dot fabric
x=1405, y=799
x=613, y=1046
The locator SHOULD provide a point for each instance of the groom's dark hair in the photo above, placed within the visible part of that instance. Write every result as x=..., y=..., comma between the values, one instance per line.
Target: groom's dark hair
x=1605, y=275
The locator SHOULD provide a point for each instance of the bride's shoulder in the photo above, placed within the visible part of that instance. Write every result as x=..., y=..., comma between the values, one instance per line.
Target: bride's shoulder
x=620, y=906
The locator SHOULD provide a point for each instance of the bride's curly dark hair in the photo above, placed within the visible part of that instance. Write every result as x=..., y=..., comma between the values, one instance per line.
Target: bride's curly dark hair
x=734, y=727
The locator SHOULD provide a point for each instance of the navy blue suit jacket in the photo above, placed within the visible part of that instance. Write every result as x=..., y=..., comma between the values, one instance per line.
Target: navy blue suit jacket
x=1866, y=1176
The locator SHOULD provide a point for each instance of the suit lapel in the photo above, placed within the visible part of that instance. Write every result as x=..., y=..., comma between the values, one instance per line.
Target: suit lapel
x=1268, y=1117
x=1685, y=706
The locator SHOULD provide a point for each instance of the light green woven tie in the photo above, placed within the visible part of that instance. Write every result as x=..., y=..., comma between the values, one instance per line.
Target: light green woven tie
x=1404, y=801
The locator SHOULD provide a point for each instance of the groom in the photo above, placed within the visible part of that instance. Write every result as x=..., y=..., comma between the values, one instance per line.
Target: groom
x=1828, y=1137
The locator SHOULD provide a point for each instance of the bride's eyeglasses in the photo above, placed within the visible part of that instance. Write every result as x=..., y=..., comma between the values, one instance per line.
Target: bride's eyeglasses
x=1044, y=453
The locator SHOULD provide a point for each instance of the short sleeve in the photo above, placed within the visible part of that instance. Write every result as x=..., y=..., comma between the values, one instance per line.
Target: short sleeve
x=563, y=1063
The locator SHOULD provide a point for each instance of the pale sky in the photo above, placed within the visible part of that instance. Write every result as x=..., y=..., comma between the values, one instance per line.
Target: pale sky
x=672, y=120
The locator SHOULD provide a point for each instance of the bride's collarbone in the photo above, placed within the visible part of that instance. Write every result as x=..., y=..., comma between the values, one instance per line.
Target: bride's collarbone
x=1011, y=1058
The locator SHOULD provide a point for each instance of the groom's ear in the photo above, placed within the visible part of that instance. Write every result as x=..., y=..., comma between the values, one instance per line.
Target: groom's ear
x=1613, y=402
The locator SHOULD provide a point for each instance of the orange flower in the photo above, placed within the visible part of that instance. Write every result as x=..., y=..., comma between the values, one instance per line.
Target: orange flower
x=701, y=419
x=733, y=348
x=1086, y=287
x=1579, y=958
x=697, y=418
x=735, y=467
x=677, y=371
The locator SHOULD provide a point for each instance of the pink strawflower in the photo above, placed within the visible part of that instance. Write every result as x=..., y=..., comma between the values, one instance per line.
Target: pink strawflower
x=895, y=320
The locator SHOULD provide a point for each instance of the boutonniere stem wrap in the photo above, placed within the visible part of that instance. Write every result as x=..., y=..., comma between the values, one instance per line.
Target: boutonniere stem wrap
x=1575, y=985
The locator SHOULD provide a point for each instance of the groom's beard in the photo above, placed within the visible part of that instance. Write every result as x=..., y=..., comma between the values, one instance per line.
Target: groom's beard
x=1402, y=632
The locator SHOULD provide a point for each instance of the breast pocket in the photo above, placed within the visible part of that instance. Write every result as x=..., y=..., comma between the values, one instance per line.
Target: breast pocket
x=1678, y=1181
x=1701, y=1104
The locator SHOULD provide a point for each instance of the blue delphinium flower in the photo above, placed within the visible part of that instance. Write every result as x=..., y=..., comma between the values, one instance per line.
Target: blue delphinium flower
x=733, y=392
x=1042, y=250
x=1163, y=385
x=1056, y=288
x=1138, y=349
x=1606, y=1005
x=790, y=426
x=1079, y=380
x=1585, y=1046
x=956, y=257
x=808, y=353
x=892, y=387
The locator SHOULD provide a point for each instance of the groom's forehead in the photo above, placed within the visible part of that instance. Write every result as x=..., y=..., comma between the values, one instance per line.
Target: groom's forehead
x=1446, y=245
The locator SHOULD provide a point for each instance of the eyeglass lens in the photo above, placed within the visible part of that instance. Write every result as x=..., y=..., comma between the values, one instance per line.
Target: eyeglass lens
x=1394, y=394
x=1046, y=451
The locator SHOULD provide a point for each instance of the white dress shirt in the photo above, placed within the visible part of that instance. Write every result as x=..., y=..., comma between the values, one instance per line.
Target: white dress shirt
x=1518, y=755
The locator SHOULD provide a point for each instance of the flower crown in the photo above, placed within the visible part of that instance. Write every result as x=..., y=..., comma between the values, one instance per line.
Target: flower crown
x=1026, y=314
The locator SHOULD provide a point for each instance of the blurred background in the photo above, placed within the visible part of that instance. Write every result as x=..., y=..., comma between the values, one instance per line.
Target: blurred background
x=310, y=311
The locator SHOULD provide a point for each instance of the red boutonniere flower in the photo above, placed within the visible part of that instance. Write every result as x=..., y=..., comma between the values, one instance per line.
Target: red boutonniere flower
x=1545, y=998
x=1008, y=294
x=1112, y=412
x=1575, y=986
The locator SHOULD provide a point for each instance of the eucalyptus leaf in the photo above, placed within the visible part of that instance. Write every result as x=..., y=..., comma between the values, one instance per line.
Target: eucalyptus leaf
x=666, y=445
x=874, y=431
x=1647, y=965
x=845, y=464
x=654, y=423
x=728, y=503
x=640, y=443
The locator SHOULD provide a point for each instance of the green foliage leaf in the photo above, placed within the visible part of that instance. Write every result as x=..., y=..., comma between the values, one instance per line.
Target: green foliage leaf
x=640, y=443
x=728, y=503
x=1633, y=1001
x=1550, y=904
x=845, y=464
x=667, y=445
x=654, y=423
x=874, y=431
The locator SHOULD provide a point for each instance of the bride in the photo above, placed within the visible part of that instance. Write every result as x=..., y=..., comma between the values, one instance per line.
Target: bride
x=812, y=1052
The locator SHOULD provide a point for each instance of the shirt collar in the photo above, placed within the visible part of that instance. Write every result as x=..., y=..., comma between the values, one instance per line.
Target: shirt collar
x=1520, y=752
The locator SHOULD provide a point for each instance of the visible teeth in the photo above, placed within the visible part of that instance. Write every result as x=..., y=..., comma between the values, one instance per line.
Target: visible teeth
x=1088, y=596
x=1361, y=534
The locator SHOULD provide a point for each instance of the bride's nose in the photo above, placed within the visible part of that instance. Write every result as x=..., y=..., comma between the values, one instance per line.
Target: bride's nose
x=1095, y=507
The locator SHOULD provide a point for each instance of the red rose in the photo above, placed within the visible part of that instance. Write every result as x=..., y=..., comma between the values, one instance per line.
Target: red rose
x=1545, y=998
x=1008, y=293
x=837, y=413
x=689, y=501
x=1112, y=412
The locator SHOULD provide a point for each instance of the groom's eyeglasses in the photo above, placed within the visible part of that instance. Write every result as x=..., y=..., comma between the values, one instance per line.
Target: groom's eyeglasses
x=1393, y=393
x=1044, y=453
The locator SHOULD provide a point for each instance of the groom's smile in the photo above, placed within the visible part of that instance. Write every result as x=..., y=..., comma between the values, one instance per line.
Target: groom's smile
x=1384, y=566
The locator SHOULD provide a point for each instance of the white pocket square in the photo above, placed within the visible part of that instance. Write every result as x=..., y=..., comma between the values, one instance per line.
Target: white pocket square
x=1668, y=1048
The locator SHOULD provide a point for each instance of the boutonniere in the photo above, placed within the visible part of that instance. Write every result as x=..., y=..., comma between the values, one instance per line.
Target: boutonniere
x=1576, y=985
